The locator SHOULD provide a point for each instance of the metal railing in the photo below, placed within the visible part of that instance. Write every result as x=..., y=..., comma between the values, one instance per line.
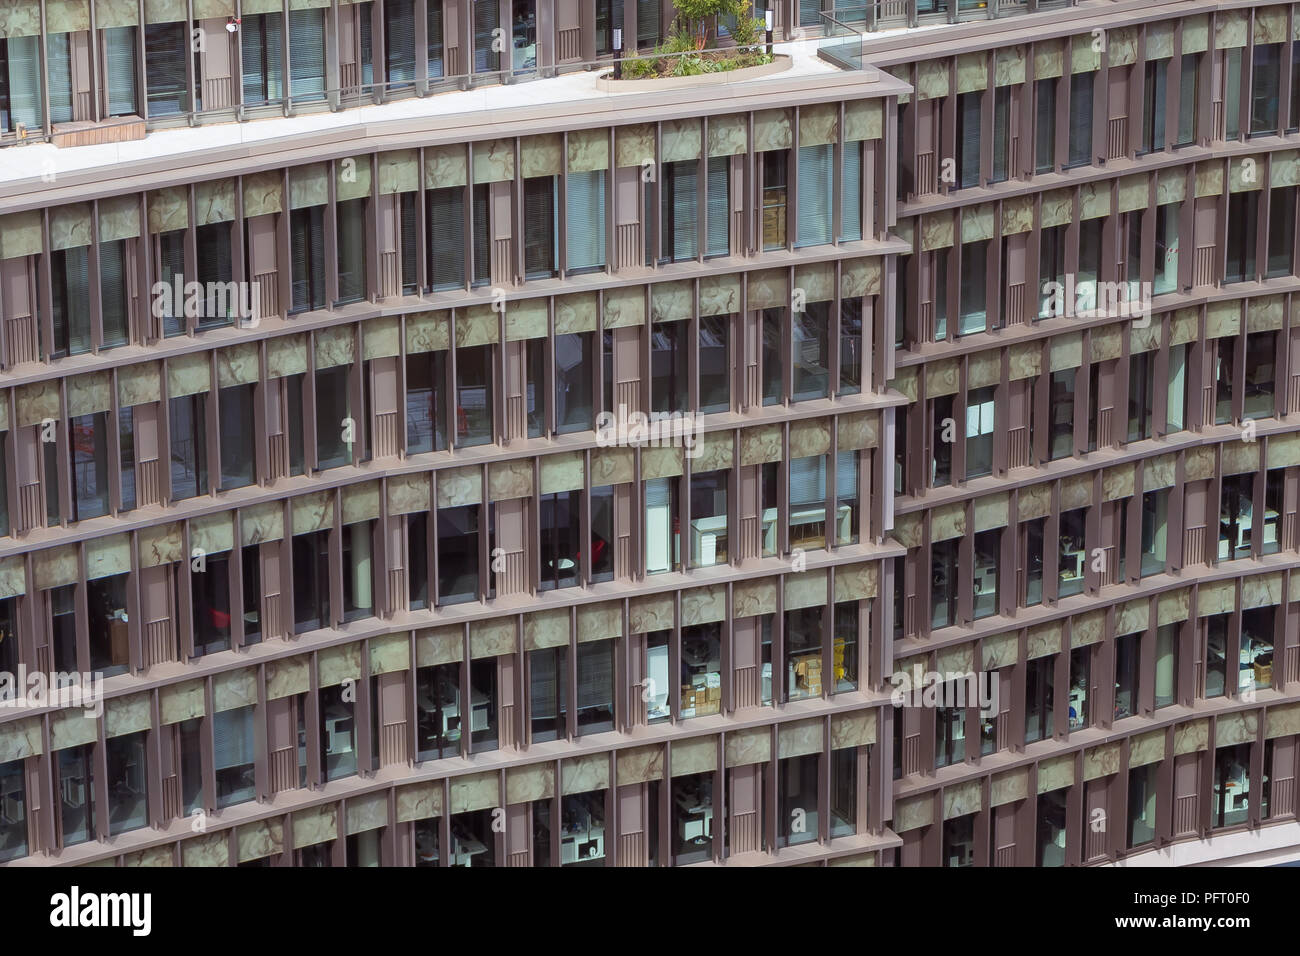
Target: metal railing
x=842, y=44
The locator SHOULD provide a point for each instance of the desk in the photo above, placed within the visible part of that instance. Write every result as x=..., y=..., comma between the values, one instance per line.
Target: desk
x=694, y=819
x=1230, y=543
x=451, y=711
x=1071, y=566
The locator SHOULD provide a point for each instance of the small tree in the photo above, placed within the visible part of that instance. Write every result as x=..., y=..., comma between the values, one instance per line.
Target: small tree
x=694, y=15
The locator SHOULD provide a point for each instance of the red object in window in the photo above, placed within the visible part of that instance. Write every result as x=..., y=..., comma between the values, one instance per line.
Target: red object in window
x=219, y=618
x=462, y=421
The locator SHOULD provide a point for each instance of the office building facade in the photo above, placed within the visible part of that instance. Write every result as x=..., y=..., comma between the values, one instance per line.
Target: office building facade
x=953, y=339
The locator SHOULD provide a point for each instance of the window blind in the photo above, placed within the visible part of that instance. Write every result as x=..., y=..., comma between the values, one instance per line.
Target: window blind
x=307, y=258
x=352, y=249
x=232, y=738
x=171, y=256
x=447, y=237
x=72, y=302
x=846, y=475
x=719, y=232
x=851, y=197
x=595, y=675
x=435, y=38
x=541, y=666
x=58, y=66
x=648, y=17
x=24, y=81
x=969, y=119
x=410, y=271
x=261, y=41
x=540, y=226
x=119, y=43
x=307, y=54
x=585, y=239
x=679, y=220
x=1081, y=118
x=808, y=13
x=481, y=236
x=400, y=46
x=814, y=198
x=112, y=291
x=807, y=481
x=486, y=20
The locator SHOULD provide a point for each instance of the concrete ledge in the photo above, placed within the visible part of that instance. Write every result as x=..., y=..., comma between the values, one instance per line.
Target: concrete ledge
x=607, y=83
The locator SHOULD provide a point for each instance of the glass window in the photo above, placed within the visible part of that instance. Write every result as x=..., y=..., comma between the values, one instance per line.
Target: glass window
x=189, y=445
x=260, y=43
x=165, y=46
x=1265, y=88
x=1155, y=531
x=678, y=212
x=1142, y=794
x=210, y=592
x=238, y=436
x=1281, y=230
x=358, y=571
x=352, y=250
x=797, y=797
x=775, y=177
x=215, y=275
x=458, y=554
x=851, y=350
x=1033, y=535
x=307, y=255
x=311, y=581
x=1040, y=682
x=844, y=650
x=582, y=829
x=560, y=540
x=1230, y=804
x=811, y=352
x=959, y=840
x=803, y=653
x=1166, y=665
x=128, y=803
x=969, y=120
x=1261, y=354
x=816, y=173
x=574, y=382
x=307, y=54
x=1061, y=414
x=774, y=355
x=437, y=717
x=701, y=670
x=714, y=363
x=1256, y=664
x=1189, y=84
x=1243, y=220
x=807, y=514
x=585, y=237
x=980, y=428
x=251, y=569
x=1080, y=674
x=1001, y=133
x=338, y=731
x=1216, y=654
x=1050, y=829
x=602, y=533
x=1154, y=96
x=1141, y=395
x=669, y=366
x=548, y=679
x=13, y=813
x=718, y=226
x=1225, y=367
x=1166, y=271
x=847, y=514
x=692, y=805
x=709, y=518
x=88, y=469
x=106, y=609
x=541, y=227
x=233, y=755
x=943, y=431
x=446, y=235
x=1051, y=271
x=656, y=688
x=949, y=729
x=426, y=377
x=1081, y=90
x=844, y=792
x=1045, y=125
x=595, y=695
x=76, y=793
x=1072, y=560
x=851, y=196
x=1127, y=674
x=662, y=540
x=474, y=395
x=988, y=548
x=335, y=429
x=70, y=289
x=1236, y=517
